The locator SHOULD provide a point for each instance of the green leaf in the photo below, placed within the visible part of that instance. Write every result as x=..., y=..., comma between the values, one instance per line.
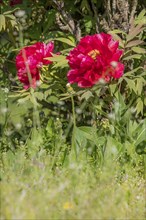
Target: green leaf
x=2, y=22
x=134, y=56
x=61, y=64
x=88, y=24
x=13, y=23
x=134, y=43
x=10, y=16
x=141, y=19
x=117, y=31
x=49, y=127
x=90, y=134
x=39, y=95
x=141, y=14
x=131, y=84
x=139, y=85
x=113, y=148
x=129, y=73
x=66, y=40
x=56, y=58
x=141, y=136
x=80, y=137
x=138, y=50
x=113, y=88
x=23, y=100
x=50, y=20
x=139, y=106
x=12, y=11
x=86, y=95
x=135, y=32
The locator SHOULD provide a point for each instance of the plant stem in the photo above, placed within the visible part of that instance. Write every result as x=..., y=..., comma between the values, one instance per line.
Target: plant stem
x=73, y=111
x=73, y=141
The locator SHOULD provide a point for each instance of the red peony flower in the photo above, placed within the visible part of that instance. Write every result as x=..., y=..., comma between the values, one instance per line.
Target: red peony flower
x=30, y=59
x=15, y=2
x=96, y=57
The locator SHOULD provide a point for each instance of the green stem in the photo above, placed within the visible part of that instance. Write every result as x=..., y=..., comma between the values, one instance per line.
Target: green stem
x=73, y=111
x=73, y=144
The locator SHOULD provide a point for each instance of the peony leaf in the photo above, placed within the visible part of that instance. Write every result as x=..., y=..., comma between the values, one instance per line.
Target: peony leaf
x=39, y=95
x=13, y=23
x=139, y=85
x=56, y=58
x=66, y=40
x=10, y=12
x=88, y=24
x=135, y=31
x=141, y=19
x=117, y=31
x=113, y=88
x=138, y=50
x=23, y=100
x=61, y=64
x=86, y=95
x=134, y=43
x=2, y=22
x=139, y=106
x=129, y=73
x=10, y=16
x=131, y=85
x=134, y=56
x=141, y=14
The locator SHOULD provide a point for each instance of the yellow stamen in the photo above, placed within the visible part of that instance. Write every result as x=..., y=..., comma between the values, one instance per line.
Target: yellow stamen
x=94, y=53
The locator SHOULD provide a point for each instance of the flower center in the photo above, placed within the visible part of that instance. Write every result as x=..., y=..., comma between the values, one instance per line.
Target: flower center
x=94, y=54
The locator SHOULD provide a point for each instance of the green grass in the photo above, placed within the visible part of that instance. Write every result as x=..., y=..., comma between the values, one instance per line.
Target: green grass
x=31, y=190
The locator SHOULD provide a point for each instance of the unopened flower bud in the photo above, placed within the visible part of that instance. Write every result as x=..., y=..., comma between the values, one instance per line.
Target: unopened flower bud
x=69, y=88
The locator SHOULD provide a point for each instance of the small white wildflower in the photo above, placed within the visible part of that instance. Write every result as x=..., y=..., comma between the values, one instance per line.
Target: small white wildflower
x=61, y=103
x=18, y=126
x=19, y=13
x=38, y=83
x=15, y=33
x=111, y=116
x=90, y=150
x=78, y=111
x=4, y=110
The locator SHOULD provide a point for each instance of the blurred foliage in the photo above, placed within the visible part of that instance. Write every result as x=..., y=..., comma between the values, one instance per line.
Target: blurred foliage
x=76, y=191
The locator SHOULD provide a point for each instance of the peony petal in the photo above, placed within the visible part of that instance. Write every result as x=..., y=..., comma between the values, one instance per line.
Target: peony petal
x=30, y=59
x=72, y=76
x=119, y=71
x=116, y=56
x=113, y=45
x=94, y=59
x=85, y=84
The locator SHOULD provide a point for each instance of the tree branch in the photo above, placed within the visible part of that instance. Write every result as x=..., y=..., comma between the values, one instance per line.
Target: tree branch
x=70, y=24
